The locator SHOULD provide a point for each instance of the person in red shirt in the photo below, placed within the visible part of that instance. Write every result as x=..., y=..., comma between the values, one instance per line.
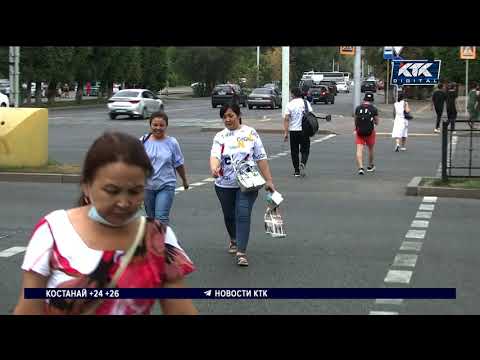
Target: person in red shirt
x=365, y=120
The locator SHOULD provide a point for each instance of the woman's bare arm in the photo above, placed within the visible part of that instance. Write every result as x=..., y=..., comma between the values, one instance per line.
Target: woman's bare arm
x=31, y=279
x=177, y=306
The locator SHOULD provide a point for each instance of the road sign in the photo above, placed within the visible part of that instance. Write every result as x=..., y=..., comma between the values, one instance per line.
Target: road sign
x=397, y=49
x=347, y=50
x=388, y=53
x=468, y=52
x=415, y=72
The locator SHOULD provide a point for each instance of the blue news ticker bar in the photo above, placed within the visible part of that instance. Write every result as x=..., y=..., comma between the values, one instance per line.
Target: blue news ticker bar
x=246, y=293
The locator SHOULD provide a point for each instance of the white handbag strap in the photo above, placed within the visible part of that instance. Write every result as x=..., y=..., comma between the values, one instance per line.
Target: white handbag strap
x=130, y=252
x=91, y=308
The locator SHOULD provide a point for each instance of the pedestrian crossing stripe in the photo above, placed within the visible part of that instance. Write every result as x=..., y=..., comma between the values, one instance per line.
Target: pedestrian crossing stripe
x=12, y=251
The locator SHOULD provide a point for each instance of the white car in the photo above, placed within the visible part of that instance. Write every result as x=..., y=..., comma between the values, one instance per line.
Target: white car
x=4, y=102
x=342, y=86
x=134, y=102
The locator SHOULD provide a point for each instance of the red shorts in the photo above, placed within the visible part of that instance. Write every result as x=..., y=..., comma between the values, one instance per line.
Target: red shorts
x=365, y=140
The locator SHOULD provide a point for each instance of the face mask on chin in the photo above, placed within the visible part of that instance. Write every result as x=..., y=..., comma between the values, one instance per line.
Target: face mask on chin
x=95, y=216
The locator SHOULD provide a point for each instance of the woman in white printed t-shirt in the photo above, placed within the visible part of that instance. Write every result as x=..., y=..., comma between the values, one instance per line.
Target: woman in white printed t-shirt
x=237, y=142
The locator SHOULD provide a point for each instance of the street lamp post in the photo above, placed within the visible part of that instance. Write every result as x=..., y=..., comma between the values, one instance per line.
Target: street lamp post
x=258, y=65
x=285, y=78
x=356, y=73
x=14, y=72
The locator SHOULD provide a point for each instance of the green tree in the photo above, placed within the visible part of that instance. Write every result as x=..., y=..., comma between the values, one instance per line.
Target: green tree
x=209, y=65
x=154, y=68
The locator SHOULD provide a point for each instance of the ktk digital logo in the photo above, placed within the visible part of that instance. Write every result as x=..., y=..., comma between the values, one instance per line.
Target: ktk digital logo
x=415, y=72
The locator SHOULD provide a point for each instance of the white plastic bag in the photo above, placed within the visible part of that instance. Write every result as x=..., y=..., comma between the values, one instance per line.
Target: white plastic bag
x=274, y=223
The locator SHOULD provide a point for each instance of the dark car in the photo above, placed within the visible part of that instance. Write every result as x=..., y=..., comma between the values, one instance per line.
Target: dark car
x=226, y=93
x=369, y=86
x=262, y=97
x=321, y=94
x=332, y=85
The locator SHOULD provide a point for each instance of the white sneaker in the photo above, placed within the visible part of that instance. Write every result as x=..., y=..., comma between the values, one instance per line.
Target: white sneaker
x=397, y=147
x=302, y=170
x=436, y=130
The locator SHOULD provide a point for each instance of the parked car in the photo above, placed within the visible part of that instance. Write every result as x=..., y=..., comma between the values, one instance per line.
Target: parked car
x=134, y=102
x=4, y=101
x=342, y=86
x=369, y=86
x=265, y=96
x=5, y=86
x=225, y=93
x=321, y=93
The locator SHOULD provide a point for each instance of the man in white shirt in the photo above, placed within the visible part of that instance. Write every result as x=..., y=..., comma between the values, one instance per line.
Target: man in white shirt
x=292, y=125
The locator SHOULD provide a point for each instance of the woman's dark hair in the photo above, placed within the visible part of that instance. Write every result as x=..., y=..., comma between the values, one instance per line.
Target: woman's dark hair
x=110, y=148
x=296, y=92
x=234, y=107
x=159, y=114
x=401, y=97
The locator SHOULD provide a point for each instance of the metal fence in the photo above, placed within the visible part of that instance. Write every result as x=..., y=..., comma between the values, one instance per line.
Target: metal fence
x=461, y=149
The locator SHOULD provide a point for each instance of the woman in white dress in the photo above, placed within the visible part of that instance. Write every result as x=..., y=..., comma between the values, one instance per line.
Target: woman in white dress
x=400, y=124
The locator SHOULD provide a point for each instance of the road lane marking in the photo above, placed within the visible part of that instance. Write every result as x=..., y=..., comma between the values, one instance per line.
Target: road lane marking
x=12, y=251
x=407, y=260
x=430, y=199
x=383, y=313
x=423, y=215
x=398, y=276
x=181, y=188
x=197, y=184
x=419, y=224
x=411, y=246
x=416, y=234
x=389, y=301
x=265, y=120
x=209, y=180
x=428, y=207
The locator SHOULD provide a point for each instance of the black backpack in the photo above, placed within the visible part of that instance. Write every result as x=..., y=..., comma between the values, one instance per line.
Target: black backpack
x=364, y=119
x=309, y=122
x=145, y=137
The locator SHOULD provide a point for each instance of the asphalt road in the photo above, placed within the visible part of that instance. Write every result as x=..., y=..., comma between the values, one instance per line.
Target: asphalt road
x=344, y=230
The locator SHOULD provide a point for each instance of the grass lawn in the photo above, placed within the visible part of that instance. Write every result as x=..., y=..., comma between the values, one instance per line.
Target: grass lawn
x=53, y=167
x=66, y=103
x=464, y=183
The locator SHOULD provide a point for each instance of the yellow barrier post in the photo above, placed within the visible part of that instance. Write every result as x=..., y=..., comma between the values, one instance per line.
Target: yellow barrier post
x=23, y=137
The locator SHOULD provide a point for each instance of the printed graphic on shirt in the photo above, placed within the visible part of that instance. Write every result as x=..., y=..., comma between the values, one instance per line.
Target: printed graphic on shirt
x=231, y=147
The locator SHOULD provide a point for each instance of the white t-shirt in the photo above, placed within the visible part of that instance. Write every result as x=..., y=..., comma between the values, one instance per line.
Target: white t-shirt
x=235, y=145
x=56, y=237
x=295, y=109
